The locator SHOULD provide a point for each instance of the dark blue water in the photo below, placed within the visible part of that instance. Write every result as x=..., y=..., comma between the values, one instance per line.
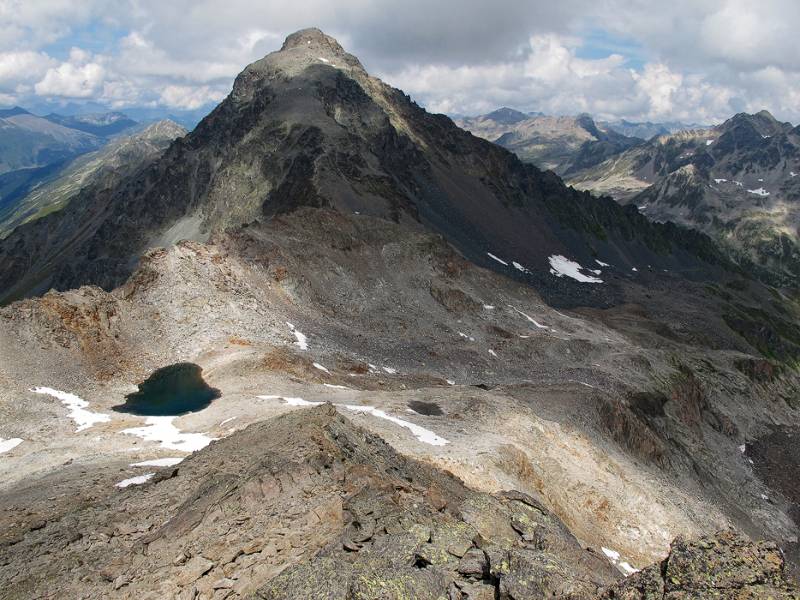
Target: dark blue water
x=174, y=390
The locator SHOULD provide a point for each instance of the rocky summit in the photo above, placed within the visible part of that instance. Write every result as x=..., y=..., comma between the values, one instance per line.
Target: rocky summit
x=307, y=126
x=329, y=345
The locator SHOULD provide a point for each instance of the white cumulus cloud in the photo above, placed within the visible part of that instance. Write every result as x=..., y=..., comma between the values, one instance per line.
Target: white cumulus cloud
x=697, y=60
x=79, y=77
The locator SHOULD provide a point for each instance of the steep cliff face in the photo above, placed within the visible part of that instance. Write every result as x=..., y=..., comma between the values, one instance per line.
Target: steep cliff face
x=307, y=126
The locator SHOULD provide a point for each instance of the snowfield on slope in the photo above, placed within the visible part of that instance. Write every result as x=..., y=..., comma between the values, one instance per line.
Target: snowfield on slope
x=561, y=266
x=6, y=445
x=161, y=429
x=423, y=435
x=138, y=480
x=302, y=340
x=77, y=408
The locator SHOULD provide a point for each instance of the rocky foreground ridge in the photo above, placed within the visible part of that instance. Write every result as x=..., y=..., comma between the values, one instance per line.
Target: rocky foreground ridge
x=307, y=505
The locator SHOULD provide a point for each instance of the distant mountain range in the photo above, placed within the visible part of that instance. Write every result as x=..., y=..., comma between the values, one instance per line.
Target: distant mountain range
x=32, y=193
x=739, y=182
x=647, y=130
x=100, y=124
x=560, y=144
x=28, y=141
x=35, y=149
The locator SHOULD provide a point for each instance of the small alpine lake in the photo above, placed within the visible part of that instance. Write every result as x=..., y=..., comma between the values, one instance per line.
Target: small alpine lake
x=170, y=391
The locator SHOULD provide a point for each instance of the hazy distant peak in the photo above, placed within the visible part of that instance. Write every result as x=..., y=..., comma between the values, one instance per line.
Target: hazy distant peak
x=13, y=112
x=507, y=115
x=164, y=129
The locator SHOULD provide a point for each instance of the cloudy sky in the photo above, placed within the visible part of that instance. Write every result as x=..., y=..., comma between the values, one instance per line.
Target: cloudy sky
x=689, y=60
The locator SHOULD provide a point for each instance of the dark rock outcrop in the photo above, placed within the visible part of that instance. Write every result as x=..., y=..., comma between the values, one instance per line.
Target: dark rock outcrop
x=725, y=566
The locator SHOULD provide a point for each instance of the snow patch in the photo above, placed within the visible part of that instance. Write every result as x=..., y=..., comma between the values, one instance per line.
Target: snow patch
x=743, y=448
x=612, y=555
x=709, y=142
x=226, y=421
x=138, y=480
x=531, y=319
x=601, y=263
x=488, y=307
x=291, y=401
x=634, y=269
x=321, y=368
x=161, y=429
x=792, y=174
x=425, y=436
x=158, y=462
x=623, y=566
x=500, y=260
x=561, y=266
x=519, y=267
x=492, y=352
x=450, y=382
x=390, y=370
x=6, y=445
x=465, y=336
x=325, y=60
x=335, y=387
x=302, y=340
x=718, y=181
x=77, y=408
x=759, y=191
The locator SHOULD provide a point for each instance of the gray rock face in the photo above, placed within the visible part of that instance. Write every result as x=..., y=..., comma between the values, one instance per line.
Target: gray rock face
x=307, y=126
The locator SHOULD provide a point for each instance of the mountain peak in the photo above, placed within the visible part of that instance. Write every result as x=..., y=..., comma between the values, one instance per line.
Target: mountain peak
x=314, y=38
x=507, y=115
x=761, y=124
x=13, y=112
x=301, y=50
x=586, y=121
x=766, y=115
x=164, y=129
